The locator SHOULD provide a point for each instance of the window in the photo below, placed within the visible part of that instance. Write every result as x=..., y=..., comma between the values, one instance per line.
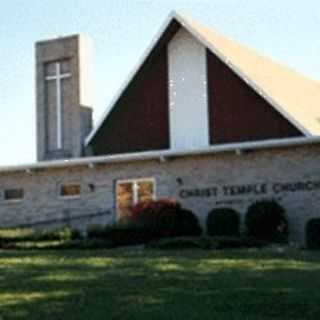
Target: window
x=13, y=194
x=131, y=192
x=70, y=190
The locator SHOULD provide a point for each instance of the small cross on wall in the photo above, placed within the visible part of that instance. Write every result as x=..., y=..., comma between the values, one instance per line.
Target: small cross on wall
x=58, y=75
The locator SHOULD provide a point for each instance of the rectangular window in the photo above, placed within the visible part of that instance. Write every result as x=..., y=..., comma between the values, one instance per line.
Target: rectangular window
x=70, y=190
x=131, y=192
x=13, y=194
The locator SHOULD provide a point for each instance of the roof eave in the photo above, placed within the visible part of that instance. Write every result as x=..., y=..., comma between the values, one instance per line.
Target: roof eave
x=164, y=154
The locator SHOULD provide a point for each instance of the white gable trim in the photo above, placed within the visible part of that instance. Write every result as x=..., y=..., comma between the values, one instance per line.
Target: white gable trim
x=188, y=101
x=173, y=15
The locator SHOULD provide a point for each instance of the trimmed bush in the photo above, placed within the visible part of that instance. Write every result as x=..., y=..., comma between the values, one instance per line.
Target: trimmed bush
x=223, y=222
x=182, y=243
x=95, y=231
x=187, y=224
x=266, y=220
x=120, y=234
x=228, y=242
x=252, y=242
x=127, y=235
x=313, y=233
x=65, y=233
x=165, y=218
x=55, y=245
x=15, y=234
x=156, y=216
x=83, y=244
x=23, y=235
x=205, y=243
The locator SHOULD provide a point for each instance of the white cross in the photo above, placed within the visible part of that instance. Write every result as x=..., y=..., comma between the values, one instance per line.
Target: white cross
x=135, y=189
x=57, y=77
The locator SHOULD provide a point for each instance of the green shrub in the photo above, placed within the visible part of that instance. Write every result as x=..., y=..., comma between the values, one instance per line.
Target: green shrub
x=267, y=220
x=165, y=218
x=223, y=222
x=65, y=233
x=57, y=245
x=158, y=216
x=218, y=242
x=95, y=231
x=126, y=235
x=23, y=235
x=187, y=224
x=228, y=242
x=83, y=244
x=121, y=234
x=313, y=233
x=182, y=243
x=15, y=234
x=60, y=234
x=251, y=242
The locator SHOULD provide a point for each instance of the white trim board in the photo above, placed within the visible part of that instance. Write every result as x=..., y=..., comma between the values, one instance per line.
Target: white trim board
x=188, y=99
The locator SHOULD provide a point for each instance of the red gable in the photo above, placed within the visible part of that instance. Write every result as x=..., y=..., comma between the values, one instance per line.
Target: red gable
x=139, y=118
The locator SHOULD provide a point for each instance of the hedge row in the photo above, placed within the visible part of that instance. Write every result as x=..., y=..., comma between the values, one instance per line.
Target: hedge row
x=32, y=235
x=166, y=219
x=217, y=242
x=313, y=233
x=149, y=221
x=265, y=220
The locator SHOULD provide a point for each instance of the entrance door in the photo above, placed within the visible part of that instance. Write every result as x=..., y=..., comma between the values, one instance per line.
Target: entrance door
x=131, y=192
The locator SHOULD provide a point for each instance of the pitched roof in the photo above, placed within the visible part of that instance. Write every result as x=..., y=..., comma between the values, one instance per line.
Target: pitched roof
x=295, y=96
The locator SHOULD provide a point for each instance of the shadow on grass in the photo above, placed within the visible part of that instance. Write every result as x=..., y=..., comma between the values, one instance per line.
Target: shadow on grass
x=144, y=284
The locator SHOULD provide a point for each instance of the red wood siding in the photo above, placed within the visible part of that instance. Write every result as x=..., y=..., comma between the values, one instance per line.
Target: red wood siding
x=139, y=120
x=237, y=113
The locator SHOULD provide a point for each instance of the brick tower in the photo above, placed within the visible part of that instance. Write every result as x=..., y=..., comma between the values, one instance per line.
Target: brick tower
x=64, y=116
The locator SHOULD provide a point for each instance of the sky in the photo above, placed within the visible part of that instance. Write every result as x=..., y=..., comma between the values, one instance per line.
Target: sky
x=120, y=31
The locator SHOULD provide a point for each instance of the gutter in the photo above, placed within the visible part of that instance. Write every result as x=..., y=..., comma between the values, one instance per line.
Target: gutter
x=162, y=155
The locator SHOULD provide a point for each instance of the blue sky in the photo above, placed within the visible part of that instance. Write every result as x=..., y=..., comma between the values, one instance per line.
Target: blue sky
x=287, y=30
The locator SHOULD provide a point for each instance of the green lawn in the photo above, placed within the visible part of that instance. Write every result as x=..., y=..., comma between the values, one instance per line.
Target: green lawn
x=148, y=284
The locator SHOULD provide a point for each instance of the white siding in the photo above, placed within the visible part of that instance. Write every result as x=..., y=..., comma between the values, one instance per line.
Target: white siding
x=188, y=101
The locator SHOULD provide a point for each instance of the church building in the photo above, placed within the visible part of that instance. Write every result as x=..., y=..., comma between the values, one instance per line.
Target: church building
x=201, y=119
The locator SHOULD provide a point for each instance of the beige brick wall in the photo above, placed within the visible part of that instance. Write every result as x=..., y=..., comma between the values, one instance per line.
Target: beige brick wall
x=200, y=183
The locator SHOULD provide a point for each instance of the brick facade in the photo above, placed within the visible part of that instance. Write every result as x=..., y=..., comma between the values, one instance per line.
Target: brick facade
x=290, y=175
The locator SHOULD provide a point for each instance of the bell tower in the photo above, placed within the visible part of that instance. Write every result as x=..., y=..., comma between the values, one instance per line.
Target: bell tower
x=64, y=114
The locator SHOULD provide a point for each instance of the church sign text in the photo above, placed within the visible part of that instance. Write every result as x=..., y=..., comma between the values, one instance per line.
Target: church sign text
x=249, y=189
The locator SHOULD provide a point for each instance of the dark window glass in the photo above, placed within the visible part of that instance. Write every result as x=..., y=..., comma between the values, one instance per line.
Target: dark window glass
x=13, y=194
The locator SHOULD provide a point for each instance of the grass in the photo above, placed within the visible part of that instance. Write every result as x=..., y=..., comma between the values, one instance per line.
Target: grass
x=149, y=284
